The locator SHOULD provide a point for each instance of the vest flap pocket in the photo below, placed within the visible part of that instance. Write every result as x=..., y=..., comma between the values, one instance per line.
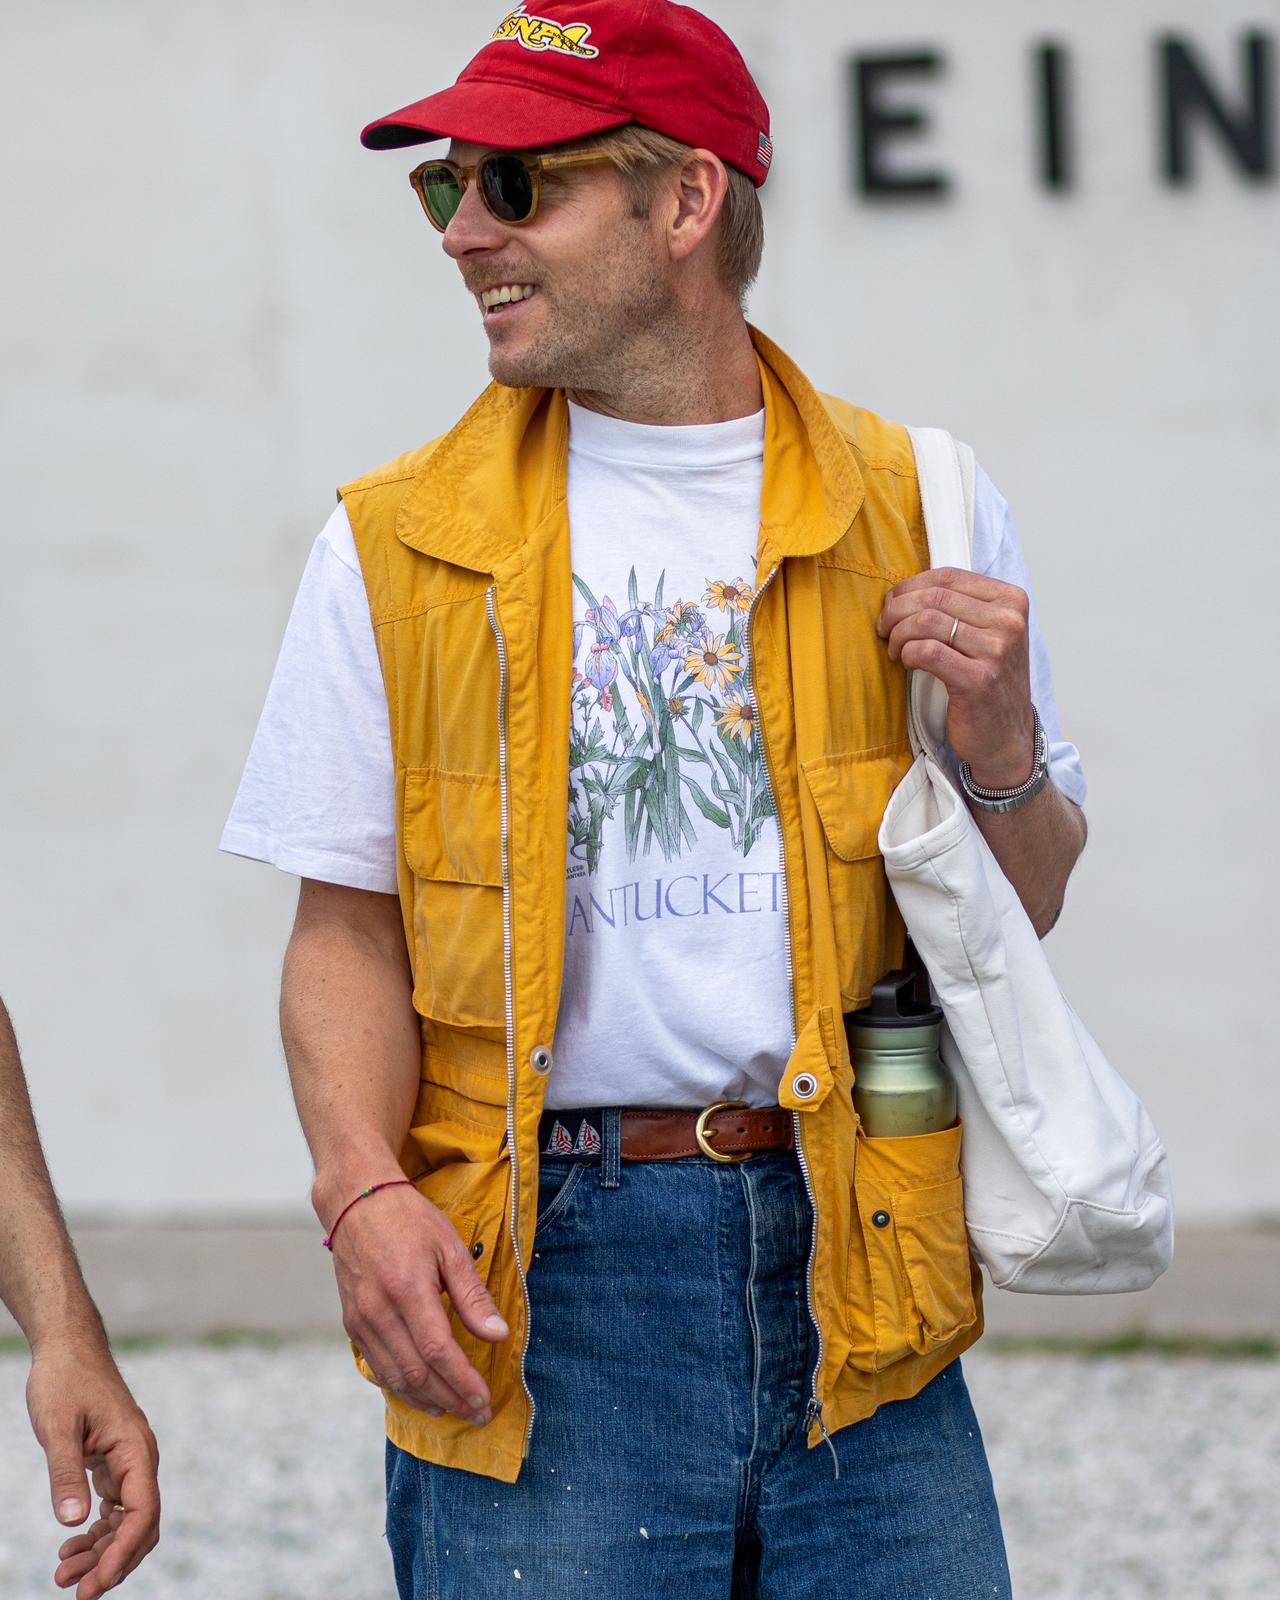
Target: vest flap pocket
x=935, y=1253
x=452, y=841
x=453, y=826
x=851, y=792
x=910, y=1247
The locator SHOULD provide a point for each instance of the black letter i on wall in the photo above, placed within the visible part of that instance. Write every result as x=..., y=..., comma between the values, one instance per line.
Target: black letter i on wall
x=1053, y=90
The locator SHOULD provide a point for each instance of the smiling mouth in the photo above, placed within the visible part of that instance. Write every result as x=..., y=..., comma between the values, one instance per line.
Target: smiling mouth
x=504, y=300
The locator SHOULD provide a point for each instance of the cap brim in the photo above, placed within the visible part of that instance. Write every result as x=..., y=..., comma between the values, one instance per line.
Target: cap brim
x=501, y=116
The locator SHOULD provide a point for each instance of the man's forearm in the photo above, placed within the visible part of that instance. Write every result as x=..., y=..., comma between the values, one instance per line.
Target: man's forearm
x=1037, y=848
x=40, y=1279
x=351, y=1038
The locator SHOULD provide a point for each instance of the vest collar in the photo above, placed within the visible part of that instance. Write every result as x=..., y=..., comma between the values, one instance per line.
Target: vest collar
x=501, y=471
x=496, y=475
x=812, y=486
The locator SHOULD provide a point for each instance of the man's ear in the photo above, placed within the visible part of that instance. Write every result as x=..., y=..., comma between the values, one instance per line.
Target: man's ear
x=698, y=191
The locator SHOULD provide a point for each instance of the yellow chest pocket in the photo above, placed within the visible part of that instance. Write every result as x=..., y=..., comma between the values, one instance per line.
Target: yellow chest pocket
x=851, y=792
x=452, y=840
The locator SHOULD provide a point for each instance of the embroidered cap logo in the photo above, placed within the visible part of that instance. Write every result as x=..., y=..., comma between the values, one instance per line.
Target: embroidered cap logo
x=539, y=33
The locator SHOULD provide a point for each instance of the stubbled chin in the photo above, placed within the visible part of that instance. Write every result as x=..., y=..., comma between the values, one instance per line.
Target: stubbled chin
x=506, y=372
x=515, y=369
x=533, y=358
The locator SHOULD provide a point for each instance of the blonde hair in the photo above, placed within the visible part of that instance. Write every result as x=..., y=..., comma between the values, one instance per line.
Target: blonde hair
x=644, y=157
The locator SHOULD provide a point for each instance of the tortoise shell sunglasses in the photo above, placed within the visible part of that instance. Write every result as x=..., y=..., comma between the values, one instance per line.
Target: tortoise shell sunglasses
x=510, y=185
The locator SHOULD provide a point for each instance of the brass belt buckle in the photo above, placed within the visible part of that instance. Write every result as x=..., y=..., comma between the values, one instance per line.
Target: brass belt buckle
x=704, y=1139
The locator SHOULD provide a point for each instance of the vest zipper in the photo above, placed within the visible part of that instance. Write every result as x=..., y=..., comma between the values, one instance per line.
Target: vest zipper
x=814, y=1411
x=509, y=994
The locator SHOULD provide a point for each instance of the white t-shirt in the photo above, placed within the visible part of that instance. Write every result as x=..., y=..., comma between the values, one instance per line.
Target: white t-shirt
x=675, y=990
x=675, y=976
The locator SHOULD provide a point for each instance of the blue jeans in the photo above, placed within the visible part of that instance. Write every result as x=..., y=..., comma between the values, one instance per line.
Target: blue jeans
x=670, y=1363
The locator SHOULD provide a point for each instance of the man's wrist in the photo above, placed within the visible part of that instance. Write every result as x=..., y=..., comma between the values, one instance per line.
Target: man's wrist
x=67, y=1323
x=1010, y=769
x=337, y=1185
x=1010, y=797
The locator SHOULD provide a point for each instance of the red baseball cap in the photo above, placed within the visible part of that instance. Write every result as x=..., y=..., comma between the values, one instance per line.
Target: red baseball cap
x=554, y=71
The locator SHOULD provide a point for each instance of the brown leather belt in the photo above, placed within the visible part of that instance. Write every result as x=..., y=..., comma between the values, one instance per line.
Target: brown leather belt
x=724, y=1132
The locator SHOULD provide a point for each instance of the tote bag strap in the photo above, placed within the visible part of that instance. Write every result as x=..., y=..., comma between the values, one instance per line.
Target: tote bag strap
x=947, y=473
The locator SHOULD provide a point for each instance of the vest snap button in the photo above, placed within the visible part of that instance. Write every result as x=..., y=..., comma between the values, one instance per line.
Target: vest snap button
x=477, y=1250
x=804, y=1086
x=540, y=1059
x=881, y=1219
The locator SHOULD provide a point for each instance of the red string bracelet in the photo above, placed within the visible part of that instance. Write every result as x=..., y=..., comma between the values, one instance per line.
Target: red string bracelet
x=392, y=1183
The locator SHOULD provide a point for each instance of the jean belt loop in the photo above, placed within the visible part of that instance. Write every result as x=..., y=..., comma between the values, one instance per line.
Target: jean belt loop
x=611, y=1156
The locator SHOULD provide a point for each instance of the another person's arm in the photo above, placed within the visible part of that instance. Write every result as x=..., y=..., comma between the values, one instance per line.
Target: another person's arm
x=83, y=1415
x=355, y=1060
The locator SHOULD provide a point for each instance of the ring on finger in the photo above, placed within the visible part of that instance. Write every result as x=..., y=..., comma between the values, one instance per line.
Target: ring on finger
x=955, y=628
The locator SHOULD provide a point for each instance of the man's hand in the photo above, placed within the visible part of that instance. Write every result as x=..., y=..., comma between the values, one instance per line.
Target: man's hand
x=87, y=1422
x=971, y=632
x=395, y=1254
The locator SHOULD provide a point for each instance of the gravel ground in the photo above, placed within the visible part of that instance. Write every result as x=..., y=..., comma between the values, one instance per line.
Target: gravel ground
x=1120, y=1479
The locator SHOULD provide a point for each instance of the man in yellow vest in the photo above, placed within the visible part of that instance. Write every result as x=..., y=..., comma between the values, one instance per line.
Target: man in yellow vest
x=86, y=1420
x=580, y=737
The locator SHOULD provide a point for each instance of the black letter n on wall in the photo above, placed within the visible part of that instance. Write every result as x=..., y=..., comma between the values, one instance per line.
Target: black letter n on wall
x=1248, y=131
x=879, y=123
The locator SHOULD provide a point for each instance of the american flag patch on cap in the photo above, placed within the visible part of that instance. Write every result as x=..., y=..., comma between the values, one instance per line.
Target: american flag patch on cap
x=764, y=154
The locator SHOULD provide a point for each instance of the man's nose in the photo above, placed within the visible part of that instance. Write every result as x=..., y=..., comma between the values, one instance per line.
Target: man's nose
x=473, y=227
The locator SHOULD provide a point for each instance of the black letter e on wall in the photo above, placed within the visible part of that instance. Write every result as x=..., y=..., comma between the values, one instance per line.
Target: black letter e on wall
x=878, y=123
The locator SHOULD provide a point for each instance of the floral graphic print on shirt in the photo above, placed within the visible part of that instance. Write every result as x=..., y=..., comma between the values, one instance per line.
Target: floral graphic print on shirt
x=662, y=721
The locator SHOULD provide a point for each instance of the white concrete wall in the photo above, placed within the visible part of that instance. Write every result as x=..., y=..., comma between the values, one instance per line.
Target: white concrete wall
x=215, y=306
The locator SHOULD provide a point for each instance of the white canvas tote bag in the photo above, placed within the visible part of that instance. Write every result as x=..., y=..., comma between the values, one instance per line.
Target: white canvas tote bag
x=1066, y=1181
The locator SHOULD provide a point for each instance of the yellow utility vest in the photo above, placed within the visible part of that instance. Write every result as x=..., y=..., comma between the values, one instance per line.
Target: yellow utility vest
x=464, y=546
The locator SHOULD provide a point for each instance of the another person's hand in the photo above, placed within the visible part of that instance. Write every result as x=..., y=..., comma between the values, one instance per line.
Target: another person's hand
x=971, y=632
x=88, y=1424
x=395, y=1254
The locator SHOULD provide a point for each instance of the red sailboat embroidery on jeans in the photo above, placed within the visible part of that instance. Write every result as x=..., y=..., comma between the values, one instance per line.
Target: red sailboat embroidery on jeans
x=588, y=1141
x=560, y=1142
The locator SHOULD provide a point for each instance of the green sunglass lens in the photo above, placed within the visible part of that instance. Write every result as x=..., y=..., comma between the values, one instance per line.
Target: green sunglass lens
x=442, y=193
x=507, y=186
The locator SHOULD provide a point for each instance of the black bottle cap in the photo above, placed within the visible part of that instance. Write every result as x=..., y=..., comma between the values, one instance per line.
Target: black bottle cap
x=893, y=1005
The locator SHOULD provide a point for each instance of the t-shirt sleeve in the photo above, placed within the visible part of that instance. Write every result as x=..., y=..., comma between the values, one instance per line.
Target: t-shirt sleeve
x=317, y=797
x=998, y=554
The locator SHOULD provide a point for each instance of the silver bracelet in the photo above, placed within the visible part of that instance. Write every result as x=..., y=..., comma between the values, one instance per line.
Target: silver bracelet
x=1011, y=799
